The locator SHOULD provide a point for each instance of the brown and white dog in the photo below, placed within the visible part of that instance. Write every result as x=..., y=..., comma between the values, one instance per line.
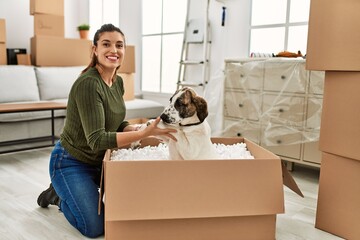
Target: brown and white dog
x=187, y=114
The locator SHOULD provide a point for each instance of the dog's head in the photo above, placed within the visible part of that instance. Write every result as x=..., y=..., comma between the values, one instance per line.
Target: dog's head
x=185, y=108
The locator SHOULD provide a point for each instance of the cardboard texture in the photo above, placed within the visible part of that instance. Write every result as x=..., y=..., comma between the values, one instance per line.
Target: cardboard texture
x=52, y=7
x=49, y=25
x=333, y=35
x=128, y=79
x=2, y=31
x=194, y=199
x=338, y=210
x=340, y=128
x=56, y=51
x=128, y=65
x=3, y=57
x=23, y=59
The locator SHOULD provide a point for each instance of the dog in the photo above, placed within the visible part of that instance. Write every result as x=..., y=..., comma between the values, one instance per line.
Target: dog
x=187, y=113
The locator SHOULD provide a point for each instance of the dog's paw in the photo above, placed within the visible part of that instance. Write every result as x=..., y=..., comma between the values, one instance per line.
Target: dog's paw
x=149, y=122
x=138, y=127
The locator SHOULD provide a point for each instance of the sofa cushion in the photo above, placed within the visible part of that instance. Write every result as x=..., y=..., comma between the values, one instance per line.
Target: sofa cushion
x=18, y=83
x=143, y=108
x=56, y=82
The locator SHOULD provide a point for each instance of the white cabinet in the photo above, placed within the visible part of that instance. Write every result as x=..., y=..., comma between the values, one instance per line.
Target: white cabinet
x=276, y=103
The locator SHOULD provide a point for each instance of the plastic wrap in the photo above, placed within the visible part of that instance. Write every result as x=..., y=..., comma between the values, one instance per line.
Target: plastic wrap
x=273, y=101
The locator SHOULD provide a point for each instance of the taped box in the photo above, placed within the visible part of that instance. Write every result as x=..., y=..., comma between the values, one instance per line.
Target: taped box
x=195, y=199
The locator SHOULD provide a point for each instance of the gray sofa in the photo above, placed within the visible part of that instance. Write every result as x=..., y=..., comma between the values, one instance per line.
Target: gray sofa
x=24, y=84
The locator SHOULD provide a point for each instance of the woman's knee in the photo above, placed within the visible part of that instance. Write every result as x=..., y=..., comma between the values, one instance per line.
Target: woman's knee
x=93, y=228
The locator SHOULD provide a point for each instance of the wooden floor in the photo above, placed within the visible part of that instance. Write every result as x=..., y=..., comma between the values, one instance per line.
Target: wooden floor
x=23, y=175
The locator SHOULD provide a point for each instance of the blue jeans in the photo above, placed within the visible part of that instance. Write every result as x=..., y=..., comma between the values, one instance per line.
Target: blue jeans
x=77, y=183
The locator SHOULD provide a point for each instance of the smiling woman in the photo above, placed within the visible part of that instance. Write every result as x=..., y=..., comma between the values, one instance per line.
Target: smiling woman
x=95, y=122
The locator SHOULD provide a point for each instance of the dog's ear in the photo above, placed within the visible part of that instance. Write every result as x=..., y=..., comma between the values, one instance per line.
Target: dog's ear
x=201, y=107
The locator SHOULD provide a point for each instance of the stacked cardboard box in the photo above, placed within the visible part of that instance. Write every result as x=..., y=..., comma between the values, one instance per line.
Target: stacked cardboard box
x=195, y=199
x=49, y=47
x=334, y=46
x=3, y=59
x=127, y=72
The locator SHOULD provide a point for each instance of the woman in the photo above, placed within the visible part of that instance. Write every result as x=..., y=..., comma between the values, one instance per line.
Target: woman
x=94, y=123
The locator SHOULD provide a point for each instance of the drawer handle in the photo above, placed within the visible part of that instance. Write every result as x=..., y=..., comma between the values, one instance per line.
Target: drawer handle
x=281, y=110
x=238, y=134
x=241, y=105
x=278, y=141
x=283, y=77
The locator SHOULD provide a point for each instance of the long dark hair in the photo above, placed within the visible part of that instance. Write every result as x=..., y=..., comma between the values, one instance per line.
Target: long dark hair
x=104, y=28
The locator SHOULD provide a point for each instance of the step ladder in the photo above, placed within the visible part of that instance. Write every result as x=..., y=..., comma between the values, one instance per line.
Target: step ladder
x=195, y=53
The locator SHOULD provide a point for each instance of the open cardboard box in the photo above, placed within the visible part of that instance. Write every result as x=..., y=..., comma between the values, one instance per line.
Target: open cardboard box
x=195, y=199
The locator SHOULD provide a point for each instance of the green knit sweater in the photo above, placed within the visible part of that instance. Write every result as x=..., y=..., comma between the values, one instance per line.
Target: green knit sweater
x=95, y=112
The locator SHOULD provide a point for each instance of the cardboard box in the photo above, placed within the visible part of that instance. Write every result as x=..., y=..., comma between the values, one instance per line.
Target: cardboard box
x=3, y=58
x=128, y=80
x=195, y=199
x=49, y=25
x=340, y=128
x=52, y=7
x=333, y=35
x=23, y=59
x=338, y=210
x=2, y=31
x=56, y=51
x=128, y=65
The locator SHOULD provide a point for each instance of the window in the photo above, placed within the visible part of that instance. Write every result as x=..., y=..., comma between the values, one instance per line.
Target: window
x=162, y=35
x=278, y=25
x=101, y=12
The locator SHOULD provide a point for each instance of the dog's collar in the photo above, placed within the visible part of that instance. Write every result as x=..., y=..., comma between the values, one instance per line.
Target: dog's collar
x=191, y=124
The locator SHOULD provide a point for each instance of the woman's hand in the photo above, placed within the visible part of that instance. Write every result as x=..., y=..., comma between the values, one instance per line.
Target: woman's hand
x=154, y=130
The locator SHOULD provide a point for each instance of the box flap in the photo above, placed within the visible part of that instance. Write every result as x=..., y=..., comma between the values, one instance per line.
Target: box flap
x=140, y=190
x=290, y=182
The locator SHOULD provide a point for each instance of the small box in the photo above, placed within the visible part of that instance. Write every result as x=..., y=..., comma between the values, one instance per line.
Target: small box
x=195, y=199
x=49, y=25
x=23, y=59
x=11, y=55
x=2, y=31
x=338, y=210
x=333, y=35
x=128, y=65
x=340, y=128
x=52, y=7
x=3, y=57
x=128, y=80
x=57, y=51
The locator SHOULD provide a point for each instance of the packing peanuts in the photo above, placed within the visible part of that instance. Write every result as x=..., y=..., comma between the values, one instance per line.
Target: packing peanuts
x=195, y=199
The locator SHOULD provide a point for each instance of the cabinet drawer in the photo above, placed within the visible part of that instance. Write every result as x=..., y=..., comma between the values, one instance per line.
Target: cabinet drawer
x=242, y=105
x=313, y=113
x=285, y=76
x=244, y=75
x=242, y=128
x=317, y=82
x=286, y=109
x=312, y=153
x=282, y=140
